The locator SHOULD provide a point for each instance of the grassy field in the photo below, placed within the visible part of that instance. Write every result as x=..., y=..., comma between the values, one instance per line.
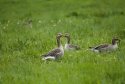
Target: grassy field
x=28, y=29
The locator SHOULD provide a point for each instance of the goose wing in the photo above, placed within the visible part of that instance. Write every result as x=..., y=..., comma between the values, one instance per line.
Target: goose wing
x=54, y=53
x=74, y=46
x=101, y=46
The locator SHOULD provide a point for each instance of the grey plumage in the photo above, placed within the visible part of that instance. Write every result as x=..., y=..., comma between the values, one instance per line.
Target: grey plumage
x=106, y=47
x=55, y=53
x=69, y=46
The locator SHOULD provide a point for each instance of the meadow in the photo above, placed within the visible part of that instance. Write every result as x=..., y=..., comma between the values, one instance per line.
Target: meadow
x=28, y=29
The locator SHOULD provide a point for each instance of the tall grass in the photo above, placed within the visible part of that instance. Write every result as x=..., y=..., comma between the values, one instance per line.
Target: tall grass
x=90, y=22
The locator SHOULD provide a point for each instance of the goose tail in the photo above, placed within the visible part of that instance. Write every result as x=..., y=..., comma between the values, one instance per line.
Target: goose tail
x=43, y=57
x=48, y=57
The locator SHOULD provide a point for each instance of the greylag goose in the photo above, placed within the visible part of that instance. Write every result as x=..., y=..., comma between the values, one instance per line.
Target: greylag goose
x=57, y=52
x=106, y=47
x=69, y=46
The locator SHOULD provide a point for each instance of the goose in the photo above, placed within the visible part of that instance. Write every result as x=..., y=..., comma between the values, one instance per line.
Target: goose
x=69, y=46
x=106, y=47
x=57, y=52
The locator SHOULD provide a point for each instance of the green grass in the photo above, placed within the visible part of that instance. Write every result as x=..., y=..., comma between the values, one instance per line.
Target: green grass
x=90, y=22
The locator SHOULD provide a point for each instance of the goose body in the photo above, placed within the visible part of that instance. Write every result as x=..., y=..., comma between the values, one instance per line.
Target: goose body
x=55, y=53
x=69, y=46
x=106, y=47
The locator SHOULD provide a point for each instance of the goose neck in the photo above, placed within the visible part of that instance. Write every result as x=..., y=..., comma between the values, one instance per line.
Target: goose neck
x=58, y=42
x=68, y=40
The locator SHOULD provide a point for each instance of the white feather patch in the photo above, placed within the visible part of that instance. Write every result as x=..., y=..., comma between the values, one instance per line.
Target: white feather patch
x=48, y=57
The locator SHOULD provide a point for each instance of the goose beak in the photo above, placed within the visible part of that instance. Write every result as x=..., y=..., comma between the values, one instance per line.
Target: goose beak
x=66, y=36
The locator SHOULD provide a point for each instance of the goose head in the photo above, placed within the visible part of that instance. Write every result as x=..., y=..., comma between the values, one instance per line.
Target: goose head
x=67, y=35
x=115, y=41
x=59, y=35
